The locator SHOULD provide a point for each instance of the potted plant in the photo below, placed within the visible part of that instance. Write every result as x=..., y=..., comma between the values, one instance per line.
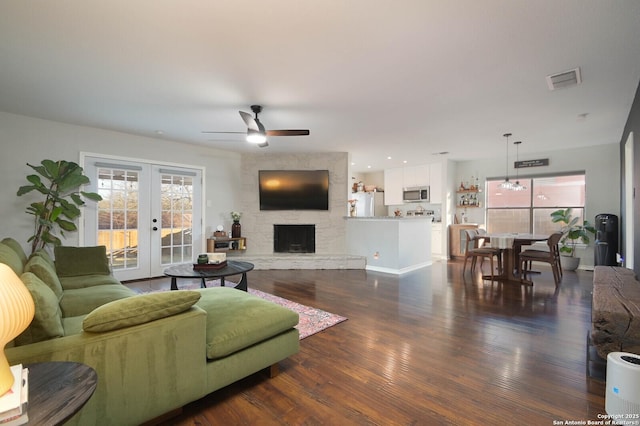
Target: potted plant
x=572, y=234
x=62, y=199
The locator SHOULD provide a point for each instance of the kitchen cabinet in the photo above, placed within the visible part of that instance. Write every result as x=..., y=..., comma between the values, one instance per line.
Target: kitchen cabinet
x=393, y=184
x=416, y=176
x=396, y=179
x=436, y=241
x=458, y=239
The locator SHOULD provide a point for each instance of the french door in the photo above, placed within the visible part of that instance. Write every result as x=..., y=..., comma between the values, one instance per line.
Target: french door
x=149, y=217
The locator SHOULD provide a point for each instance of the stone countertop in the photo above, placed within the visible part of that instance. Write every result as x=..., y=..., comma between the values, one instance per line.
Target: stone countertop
x=428, y=218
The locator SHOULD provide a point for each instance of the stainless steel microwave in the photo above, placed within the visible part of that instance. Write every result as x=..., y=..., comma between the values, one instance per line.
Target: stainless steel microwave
x=416, y=194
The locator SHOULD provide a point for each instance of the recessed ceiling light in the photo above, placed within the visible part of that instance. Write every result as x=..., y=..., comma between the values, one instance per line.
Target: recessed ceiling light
x=368, y=167
x=389, y=158
x=405, y=161
x=159, y=132
x=353, y=164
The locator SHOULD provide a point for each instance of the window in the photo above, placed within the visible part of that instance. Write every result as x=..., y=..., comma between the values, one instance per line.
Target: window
x=528, y=210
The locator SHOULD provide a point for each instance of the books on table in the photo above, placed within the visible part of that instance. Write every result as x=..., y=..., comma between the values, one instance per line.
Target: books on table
x=13, y=404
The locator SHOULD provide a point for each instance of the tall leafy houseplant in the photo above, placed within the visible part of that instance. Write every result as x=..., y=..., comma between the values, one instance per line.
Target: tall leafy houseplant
x=59, y=182
x=572, y=232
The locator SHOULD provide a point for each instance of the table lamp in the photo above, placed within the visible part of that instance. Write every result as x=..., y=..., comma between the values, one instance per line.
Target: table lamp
x=16, y=313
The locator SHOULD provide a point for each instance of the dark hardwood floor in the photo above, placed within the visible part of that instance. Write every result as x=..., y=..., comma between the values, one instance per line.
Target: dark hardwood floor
x=428, y=347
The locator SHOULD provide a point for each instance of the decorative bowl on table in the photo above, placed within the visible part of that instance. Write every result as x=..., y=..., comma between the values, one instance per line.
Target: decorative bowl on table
x=212, y=261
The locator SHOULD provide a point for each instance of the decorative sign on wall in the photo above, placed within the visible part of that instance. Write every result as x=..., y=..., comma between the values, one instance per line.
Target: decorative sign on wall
x=531, y=163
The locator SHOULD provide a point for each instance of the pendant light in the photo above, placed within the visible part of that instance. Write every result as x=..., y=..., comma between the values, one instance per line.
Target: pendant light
x=506, y=184
x=516, y=186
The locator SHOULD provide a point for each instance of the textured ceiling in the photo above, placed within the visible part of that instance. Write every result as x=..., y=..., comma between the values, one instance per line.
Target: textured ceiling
x=404, y=79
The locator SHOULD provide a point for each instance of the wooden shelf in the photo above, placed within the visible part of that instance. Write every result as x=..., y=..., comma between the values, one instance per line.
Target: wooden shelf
x=223, y=244
x=470, y=195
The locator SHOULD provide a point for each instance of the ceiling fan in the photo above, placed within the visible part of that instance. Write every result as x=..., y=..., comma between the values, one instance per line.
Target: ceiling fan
x=256, y=133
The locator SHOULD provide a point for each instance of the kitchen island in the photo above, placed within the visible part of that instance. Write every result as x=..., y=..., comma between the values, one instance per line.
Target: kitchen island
x=395, y=245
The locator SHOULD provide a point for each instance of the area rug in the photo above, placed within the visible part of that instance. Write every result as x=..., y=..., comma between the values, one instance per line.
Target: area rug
x=312, y=320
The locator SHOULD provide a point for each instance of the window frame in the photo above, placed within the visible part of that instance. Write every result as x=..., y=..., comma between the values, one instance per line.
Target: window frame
x=579, y=210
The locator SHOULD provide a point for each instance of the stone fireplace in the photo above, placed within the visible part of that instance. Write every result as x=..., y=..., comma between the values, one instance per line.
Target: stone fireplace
x=294, y=238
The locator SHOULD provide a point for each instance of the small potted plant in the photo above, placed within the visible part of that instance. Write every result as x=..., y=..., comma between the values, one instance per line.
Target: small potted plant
x=572, y=234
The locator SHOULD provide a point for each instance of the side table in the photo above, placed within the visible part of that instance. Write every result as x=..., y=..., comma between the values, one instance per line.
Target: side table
x=58, y=390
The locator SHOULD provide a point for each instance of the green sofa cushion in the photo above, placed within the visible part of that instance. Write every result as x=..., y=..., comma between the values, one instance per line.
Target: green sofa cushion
x=72, y=325
x=46, y=273
x=73, y=261
x=47, y=321
x=81, y=301
x=237, y=320
x=9, y=257
x=82, y=281
x=45, y=256
x=139, y=310
x=15, y=246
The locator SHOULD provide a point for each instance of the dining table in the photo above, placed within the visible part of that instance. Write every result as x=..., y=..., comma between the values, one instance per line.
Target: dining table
x=511, y=244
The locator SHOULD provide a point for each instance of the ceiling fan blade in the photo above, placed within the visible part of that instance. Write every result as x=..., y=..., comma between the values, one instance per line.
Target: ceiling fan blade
x=249, y=121
x=299, y=132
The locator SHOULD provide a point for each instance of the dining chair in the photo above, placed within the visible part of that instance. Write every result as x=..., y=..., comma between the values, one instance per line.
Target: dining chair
x=475, y=248
x=552, y=257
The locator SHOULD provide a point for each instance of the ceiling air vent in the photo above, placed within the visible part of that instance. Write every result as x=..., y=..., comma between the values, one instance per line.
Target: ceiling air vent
x=564, y=79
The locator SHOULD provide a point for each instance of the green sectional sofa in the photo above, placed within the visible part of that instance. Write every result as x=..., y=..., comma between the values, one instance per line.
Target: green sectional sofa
x=153, y=353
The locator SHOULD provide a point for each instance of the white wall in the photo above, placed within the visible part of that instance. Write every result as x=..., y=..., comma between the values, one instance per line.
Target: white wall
x=29, y=140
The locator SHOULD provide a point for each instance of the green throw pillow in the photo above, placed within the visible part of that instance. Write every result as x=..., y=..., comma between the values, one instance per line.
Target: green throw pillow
x=47, y=321
x=74, y=261
x=45, y=256
x=46, y=273
x=15, y=246
x=139, y=310
x=9, y=257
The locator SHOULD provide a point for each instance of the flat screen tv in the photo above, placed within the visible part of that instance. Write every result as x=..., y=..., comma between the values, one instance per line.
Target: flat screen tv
x=294, y=189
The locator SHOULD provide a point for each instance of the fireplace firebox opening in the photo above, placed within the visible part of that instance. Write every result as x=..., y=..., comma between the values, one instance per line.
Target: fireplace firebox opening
x=294, y=238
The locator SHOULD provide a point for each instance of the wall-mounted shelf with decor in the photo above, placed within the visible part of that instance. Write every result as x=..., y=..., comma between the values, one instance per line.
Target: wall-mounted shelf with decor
x=468, y=198
x=219, y=244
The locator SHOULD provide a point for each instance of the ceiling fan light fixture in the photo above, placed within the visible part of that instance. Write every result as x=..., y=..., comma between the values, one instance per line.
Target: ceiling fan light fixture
x=257, y=134
x=256, y=137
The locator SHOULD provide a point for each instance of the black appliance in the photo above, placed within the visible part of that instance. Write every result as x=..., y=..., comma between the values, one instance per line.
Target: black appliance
x=606, y=244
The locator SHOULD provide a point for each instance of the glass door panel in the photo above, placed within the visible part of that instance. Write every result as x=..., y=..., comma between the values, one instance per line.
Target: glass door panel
x=147, y=217
x=118, y=216
x=180, y=192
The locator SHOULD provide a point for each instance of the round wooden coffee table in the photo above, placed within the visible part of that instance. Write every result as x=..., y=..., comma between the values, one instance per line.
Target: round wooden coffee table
x=58, y=390
x=233, y=267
